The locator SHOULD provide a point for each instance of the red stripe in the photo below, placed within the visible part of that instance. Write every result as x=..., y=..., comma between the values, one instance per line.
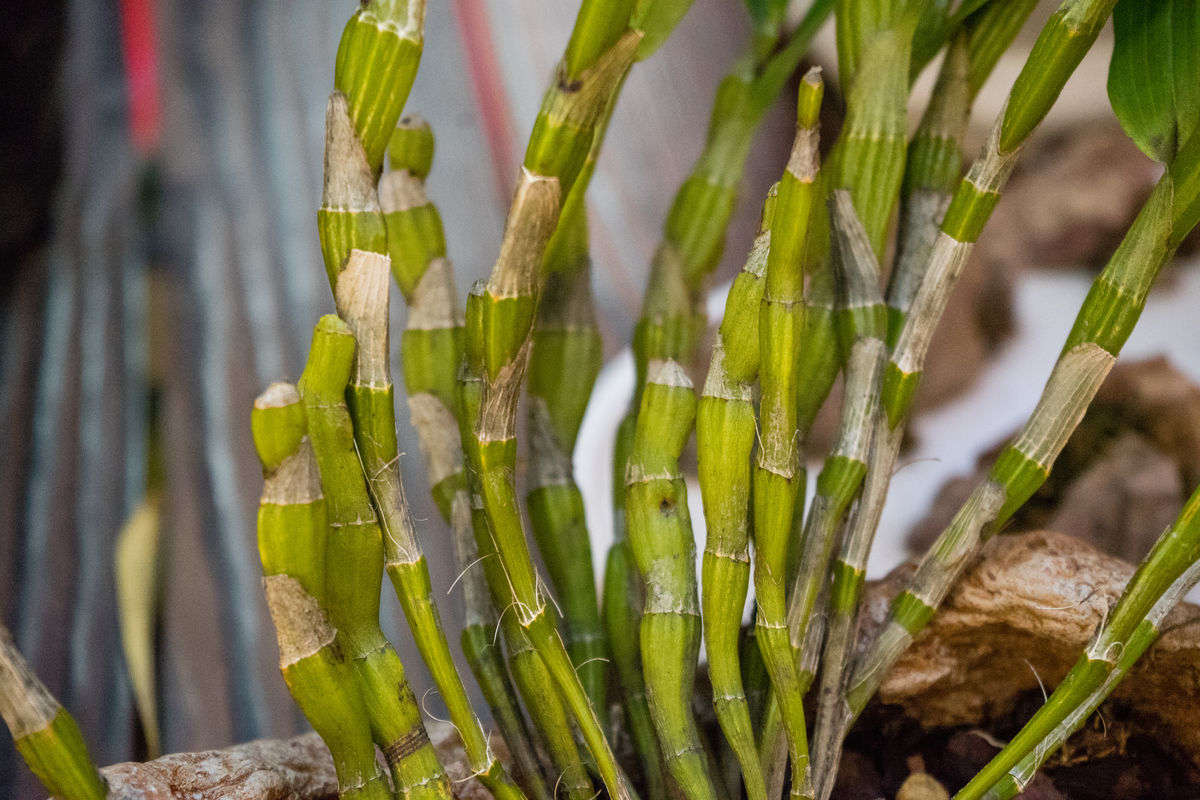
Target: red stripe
x=140, y=49
x=483, y=68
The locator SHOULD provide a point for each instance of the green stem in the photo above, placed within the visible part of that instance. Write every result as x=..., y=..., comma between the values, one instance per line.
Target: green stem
x=1104, y=322
x=725, y=433
x=1169, y=571
x=354, y=567
x=780, y=324
x=431, y=350
x=660, y=534
x=376, y=64
x=292, y=538
x=46, y=736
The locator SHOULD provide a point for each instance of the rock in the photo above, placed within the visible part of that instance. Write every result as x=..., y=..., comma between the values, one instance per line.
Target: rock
x=267, y=769
x=271, y=769
x=1124, y=500
x=1017, y=620
x=922, y=786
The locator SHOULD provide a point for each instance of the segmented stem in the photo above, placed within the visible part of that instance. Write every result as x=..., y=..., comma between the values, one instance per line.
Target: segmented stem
x=293, y=532
x=725, y=433
x=431, y=351
x=351, y=215
x=780, y=324
x=1101, y=327
x=669, y=325
x=376, y=65
x=45, y=734
x=1061, y=45
x=660, y=535
x=354, y=567
x=566, y=356
x=1168, y=572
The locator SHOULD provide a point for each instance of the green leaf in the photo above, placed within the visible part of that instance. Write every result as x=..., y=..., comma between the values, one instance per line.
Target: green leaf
x=766, y=13
x=1154, y=77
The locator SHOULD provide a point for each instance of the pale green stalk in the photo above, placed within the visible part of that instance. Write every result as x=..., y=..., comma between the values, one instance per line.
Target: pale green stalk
x=497, y=340
x=534, y=683
x=725, y=433
x=566, y=356
x=549, y=716
x=660, y=535
x=431, y=351
x=669, y=325
x=1063, y=42
x=354, y=568
x=359, y=281
x=45, y=734
x=293, y=532
x=775, y=473
x=376, y=64
x=499, y=323
x=843, y=475
x=934, y=163
x=863, y=323
x=1104, y=322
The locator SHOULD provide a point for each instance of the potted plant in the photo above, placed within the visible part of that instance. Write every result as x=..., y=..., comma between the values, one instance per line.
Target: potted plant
x=573, y=681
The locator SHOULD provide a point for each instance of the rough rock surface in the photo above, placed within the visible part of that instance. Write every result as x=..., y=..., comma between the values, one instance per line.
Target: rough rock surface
x=1019, y=618
x=269, y=769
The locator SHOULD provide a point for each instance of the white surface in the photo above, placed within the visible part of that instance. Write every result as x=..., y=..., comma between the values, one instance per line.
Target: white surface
x=950, y=438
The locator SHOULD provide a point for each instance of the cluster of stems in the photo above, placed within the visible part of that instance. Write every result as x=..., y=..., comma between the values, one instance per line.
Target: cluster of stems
x=570, y=679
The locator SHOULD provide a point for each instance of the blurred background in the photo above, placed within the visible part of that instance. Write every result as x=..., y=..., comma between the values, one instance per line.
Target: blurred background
x=161, y=166
x=160, y=171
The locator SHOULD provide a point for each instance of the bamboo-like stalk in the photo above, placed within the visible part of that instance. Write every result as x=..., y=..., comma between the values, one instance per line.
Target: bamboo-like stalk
x=351, y=215
x=45, y=734
x=863, y=326
x=668, y=327
x=293, y=534
x=362, y=301
x=725, y=433
x=1168, y=572
x=497, y=349
x=537, y=688
x=354, y=567
x=774, y=475
x=1104, y=322
x=376, y=64
x=934, y=163
x=431, y=351
x=566, y=356
x=498, y=327
x=660, y=536
x=1062, y=43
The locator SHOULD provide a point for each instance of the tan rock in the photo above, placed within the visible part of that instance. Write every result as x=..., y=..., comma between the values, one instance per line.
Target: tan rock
x=1019, y=618
x=922, y=786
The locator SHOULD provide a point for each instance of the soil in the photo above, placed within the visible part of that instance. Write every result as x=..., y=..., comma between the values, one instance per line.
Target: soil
x=1110, y=759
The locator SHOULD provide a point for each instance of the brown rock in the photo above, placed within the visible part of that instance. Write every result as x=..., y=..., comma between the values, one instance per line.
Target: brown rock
x=1019, y=618
x=271, y=769
x=268, y=769
x=1123, y=501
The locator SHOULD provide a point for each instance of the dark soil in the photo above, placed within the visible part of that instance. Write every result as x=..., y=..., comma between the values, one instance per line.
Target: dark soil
x=1107, y=760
